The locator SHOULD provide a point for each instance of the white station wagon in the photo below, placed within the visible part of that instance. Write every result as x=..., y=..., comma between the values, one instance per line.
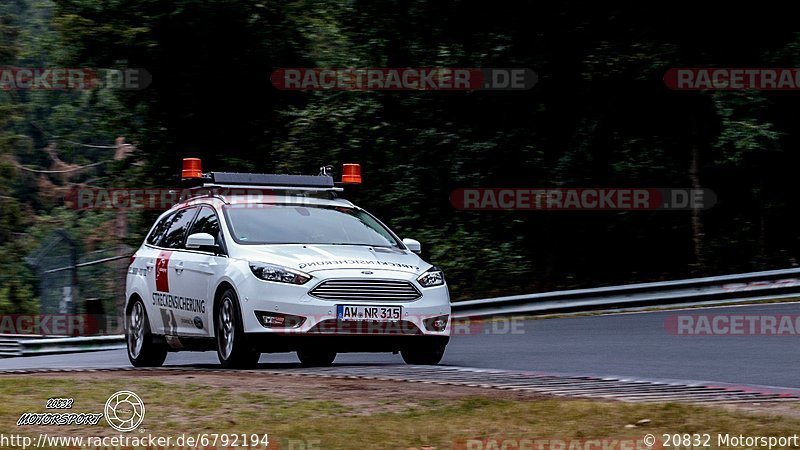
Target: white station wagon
x=293, y=269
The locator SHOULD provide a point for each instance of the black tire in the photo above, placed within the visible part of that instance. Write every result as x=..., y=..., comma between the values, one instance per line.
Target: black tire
x=423, y=355
x=316, y=358
x=234, y=349
x=143, y=349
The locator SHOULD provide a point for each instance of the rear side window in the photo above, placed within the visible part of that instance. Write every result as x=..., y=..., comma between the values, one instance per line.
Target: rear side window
x=160, y=230
x=176, y=235
x=207, y=222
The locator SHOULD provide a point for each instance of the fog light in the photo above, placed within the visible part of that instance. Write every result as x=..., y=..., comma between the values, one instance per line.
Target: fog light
x=277, y=320
x=438, y=323
x=272, y=320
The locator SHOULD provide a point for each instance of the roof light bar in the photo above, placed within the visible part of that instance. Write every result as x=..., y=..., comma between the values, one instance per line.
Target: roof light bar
x=191, y=169
x=351, y=173
x=192, y=172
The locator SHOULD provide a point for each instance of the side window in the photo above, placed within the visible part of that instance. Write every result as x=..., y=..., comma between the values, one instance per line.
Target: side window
x=159, y=230
x=207, y=222
x=176, y=235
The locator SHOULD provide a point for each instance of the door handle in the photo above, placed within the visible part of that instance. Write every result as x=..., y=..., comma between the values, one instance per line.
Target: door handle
x=179, y=267
x=149, y=266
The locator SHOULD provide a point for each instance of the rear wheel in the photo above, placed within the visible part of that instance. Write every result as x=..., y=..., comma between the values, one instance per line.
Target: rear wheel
x=423, y=355
x=142, y=350
x=233, y=348
x=316, y=358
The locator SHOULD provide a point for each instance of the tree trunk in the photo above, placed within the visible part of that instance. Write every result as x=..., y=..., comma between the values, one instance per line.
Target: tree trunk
x=698, y=265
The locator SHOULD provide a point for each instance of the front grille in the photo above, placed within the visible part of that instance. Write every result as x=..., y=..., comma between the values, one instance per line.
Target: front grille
x=366, y=290
x=398, y=328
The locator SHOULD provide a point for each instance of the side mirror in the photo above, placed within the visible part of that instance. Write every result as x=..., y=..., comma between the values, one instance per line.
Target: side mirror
x=413, y=245
x=203, y=242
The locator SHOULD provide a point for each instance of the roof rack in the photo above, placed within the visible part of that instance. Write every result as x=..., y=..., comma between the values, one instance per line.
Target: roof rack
x=193, y=175
x=266, y=179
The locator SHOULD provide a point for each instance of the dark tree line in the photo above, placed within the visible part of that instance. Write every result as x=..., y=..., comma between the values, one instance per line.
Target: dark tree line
x=600, y=115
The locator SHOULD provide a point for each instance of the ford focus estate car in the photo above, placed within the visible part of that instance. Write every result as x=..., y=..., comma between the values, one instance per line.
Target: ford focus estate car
x=295, y=268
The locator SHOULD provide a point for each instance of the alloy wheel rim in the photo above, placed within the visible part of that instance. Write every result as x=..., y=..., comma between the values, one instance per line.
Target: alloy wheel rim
x=136, y=333
x=226, y=327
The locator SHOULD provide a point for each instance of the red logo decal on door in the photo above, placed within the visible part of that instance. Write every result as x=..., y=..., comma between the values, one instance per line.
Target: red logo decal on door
x=162, y=272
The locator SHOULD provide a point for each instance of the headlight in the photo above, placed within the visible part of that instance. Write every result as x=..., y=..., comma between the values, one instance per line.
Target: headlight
x=279, y=274
x=432, y=277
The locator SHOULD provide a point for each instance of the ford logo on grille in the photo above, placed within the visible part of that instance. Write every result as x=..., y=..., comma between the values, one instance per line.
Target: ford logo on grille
x=366, y=272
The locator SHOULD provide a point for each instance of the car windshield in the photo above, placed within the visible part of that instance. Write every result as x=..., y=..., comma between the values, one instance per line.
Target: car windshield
x=306, y=224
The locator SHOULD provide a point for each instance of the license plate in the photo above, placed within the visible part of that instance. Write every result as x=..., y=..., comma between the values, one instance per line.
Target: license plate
x=367, y=313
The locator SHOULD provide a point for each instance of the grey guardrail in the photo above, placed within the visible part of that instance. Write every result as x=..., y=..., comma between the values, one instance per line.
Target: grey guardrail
x=718, y=289
x=20, y=346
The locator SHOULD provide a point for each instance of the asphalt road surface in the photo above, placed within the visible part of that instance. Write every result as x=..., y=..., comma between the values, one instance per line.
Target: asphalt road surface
x=635, y=345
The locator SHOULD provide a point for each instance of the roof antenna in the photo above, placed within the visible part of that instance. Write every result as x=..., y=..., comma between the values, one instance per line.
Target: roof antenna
x=326, y=171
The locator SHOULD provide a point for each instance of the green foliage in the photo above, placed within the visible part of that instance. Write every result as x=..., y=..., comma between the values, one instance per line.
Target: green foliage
x=16, y=297
x=744, y=129
x=599, y=117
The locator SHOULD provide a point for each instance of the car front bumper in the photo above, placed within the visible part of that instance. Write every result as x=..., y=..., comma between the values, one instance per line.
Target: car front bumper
x=319, y=316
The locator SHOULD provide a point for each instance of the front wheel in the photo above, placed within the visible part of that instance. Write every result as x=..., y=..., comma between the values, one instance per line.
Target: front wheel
x=233, y=349
x=142, y=350
x=423, y=355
